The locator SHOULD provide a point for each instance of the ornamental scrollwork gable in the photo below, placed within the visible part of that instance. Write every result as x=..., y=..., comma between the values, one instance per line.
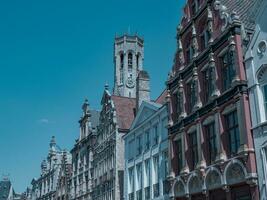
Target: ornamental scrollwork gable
x=227, y=18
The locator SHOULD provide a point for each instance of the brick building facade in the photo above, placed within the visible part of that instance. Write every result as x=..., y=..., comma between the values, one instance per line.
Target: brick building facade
x=211, y=147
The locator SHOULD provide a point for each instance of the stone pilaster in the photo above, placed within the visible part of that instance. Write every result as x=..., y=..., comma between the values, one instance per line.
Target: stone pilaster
x=233, y=55
x=181, y=102
x=215, y=91
x=220, y=157
x=210, y=25
x=194, y=41
x=201, y=160
x=195, y=82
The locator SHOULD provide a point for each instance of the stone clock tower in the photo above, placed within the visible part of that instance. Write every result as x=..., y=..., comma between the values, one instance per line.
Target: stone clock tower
x=128, y=61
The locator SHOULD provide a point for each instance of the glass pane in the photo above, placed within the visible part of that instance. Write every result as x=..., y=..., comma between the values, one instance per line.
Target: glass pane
x=265, y=98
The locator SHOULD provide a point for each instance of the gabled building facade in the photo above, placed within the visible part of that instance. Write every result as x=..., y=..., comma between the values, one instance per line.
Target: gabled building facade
x=46, y=186
x=211, y=146
x=82, y=155
x=115, y=119
x=256, y=68
x=146, y=154
x=116, y=116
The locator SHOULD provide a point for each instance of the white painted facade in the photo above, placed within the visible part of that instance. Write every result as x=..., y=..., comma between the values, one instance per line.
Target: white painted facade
x=146, y=154
x=256, y=69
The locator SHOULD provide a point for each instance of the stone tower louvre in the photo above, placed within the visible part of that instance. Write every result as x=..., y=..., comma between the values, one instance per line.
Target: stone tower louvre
x=128, y=60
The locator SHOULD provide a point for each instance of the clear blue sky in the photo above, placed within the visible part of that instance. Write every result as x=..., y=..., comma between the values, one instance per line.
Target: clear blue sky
x=53, y=54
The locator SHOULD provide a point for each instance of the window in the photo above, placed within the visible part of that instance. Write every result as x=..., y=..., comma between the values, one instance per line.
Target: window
x=211, y=139
x=189, y=52
x=179, y=103
x=139, y=145
x=156, y=168
x=207, y=83
x=265, y=99
x=156, y=136
x=130, y=153
x=147, y=173
x=156, y=176
x=179, y=154
x=139, y=176
x=195, y=6
x=130, y=62
x=137, y=61
x=131, y=180
x=147, y=142
x=227, y=70
x=192, y=95
x=233, y=132
x=165, y=164
x=121, y=67
x=204, y=39
x=264, y=161
x=194, y=149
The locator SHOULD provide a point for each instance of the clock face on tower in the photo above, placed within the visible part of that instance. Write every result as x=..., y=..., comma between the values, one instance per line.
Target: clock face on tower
x=130, y=83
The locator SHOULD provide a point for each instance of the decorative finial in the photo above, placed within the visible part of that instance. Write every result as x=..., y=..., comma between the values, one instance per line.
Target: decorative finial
x=106, y=86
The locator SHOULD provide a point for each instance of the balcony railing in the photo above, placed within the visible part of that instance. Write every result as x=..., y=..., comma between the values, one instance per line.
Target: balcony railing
x=147, y=193
x=131, y=196
x=155, y=190
x=139, y=195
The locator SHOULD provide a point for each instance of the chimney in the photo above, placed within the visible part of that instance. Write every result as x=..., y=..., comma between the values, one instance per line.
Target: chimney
x=142, y=88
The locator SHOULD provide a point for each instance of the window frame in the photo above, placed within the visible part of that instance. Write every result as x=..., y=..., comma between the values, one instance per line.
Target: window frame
x=264, y=95
x=193, y=145
x=179, y=147
x=130, y=61
x=139, y=145
x=207, y=82
x=211, y=138
x=227, y=69
x=264, y=162
x=234, y=135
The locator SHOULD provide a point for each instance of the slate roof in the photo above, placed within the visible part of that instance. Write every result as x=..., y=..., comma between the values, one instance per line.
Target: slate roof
x=242, y=8
x=125, y=110
x=5, y=186
x=162, y=97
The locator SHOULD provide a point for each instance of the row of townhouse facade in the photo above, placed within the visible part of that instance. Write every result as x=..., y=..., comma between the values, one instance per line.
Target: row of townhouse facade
x=53, y=183
x=204, y=137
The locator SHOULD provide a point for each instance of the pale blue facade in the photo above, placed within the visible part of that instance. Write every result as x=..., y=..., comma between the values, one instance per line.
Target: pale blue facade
x=256, y=69
x=146, y=154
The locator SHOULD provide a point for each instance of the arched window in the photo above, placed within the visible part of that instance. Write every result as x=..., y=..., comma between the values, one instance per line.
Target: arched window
x=137, y=61
x=262, y=79
x=121, y=68
x=130, y=62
